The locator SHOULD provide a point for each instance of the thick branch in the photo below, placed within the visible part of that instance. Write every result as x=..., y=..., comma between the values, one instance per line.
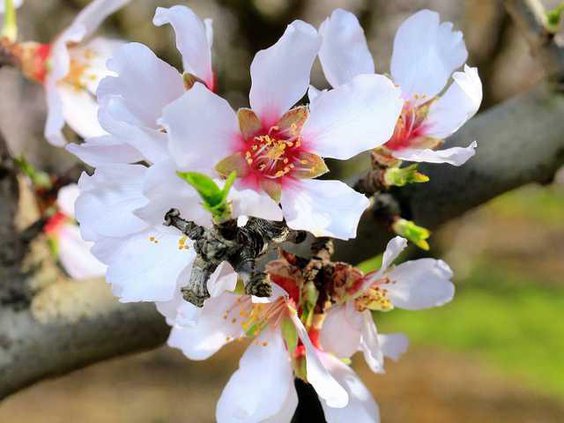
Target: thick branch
x=68, y=326
x=519, y=142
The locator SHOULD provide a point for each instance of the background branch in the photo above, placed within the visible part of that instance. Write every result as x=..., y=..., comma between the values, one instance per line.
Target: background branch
x=530, y=16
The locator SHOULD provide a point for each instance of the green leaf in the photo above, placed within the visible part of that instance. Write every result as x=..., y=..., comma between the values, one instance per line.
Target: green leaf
x=38, y=178
x=416, y=234
x=214, y=198
x=399, y=177
x=205, y=186
x=553, y=18
x=10, y=27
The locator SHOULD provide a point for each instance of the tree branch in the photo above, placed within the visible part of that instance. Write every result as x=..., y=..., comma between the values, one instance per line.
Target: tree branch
x=530, y=16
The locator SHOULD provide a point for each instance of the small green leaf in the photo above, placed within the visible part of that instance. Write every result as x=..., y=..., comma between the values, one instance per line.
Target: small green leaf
x=416, y=234
x=38, y=178
x=206, y=187
x=553, y=18
x=399, y=177
x=10, y=27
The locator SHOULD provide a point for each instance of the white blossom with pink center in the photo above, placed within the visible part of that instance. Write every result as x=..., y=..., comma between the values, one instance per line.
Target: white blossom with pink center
x=413, y=285
x=425, y=57
x=276, y=149
x=70, y=69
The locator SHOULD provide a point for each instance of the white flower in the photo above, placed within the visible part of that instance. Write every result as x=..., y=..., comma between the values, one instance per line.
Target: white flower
x=425, y=55
x=262, y=389
x=412, y=285
x=146, y=261
x=132, y=99
x=70, y=69
x=72, y=251
x=277, y=150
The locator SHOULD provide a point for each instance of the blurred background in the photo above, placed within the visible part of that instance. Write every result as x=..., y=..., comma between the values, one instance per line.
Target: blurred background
x=495, y=354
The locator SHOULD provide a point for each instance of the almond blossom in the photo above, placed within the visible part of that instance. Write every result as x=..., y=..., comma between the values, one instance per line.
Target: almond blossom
x=425, y=58
x=70, y=69
x=132, y=98
x=63, y=232
x=281, y=343
x=276, y=149
x=413, y=285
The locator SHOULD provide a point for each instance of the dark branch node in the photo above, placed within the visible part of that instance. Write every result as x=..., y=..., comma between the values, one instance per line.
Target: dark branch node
x=239, y=246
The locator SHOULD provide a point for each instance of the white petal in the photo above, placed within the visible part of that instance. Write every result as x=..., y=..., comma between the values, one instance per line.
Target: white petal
x=324, y=208
x=344, y=51
x=313, y=93
x=116, y=118
x=95, y=13
x=455, y=156
x=426, y=52
x=108, y=199
x=224, y=278
x=165, y=190
x=420, y=284
x=318, y=376
x=352, y=118
x=145, y=266
x=105, y=150
x=370, y=344
x=191, y=40
x=66, y=197
x=182, y=313
x=248, y=202
x=393, y=345
x=394, y=248
x=288, y=408
x=55, y=118
x=75, y=256
x=145, y=83
x=361, y=407
x=94, y=56
x=340, y=333
x=202, y=129
x=80, y=111
x=259, y=388
x=280, y=74
x=218, y=323
x=459, y=103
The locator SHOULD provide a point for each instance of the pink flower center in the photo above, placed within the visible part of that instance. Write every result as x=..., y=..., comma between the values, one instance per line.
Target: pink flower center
x=275, y=154
x=409, y=127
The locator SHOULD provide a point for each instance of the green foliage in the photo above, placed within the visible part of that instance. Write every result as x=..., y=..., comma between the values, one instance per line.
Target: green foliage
x=553, y=17
x=214, y=198
x=416, y=234
x=38, y=178
x=509, y=319
x=401, y=176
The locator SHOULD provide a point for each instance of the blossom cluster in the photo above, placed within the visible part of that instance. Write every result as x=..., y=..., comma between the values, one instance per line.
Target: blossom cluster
x=189, y=197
